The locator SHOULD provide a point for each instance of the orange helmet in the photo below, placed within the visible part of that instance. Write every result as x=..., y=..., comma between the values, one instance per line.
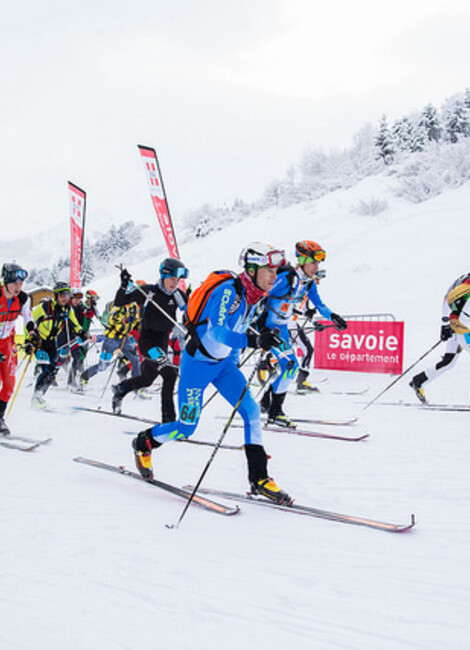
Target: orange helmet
x=309, y=251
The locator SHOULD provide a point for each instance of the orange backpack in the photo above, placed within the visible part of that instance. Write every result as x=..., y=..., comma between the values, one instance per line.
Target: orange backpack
x=199, y=297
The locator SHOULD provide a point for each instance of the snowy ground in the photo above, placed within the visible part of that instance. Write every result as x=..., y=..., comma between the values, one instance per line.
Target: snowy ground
x=86, y=560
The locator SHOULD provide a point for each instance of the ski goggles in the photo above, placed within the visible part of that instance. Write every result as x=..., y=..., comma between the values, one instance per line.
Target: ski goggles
x=181, y=273
x=316, y=256
x=16, y=275
x=273, y=259
x=77, y=294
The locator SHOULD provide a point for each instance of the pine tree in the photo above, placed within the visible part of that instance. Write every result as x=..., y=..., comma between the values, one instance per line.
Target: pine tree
x=430, y=123
x=457, y=122
x=384, y=142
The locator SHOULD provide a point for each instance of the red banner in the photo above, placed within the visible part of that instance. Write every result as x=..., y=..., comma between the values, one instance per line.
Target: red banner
x=366, y=346
x=77, y=204
x=158, y=196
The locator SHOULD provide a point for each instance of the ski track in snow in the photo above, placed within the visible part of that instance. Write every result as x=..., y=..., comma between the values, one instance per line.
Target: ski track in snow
x=86, y=558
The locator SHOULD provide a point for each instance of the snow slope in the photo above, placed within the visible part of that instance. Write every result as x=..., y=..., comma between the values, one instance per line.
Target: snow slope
x=86, y=559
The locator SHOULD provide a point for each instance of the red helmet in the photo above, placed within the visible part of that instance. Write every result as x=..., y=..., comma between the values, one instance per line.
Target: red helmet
x=92, y=295
x=309, y=251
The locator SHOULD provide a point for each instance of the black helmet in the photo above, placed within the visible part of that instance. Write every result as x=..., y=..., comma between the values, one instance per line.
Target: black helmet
x=173, y=268
x=12, y=272
x=60, y=287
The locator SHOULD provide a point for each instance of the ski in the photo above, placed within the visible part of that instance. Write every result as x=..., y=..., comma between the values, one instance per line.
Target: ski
x=429, y=407
x=309, y=434
x=152, y=422
x=312, y=512
x=43, y=441
x=20, y=446
x=335, y=423
x=201, y=501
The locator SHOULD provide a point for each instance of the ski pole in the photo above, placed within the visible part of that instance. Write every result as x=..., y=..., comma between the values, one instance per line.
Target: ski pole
x=152, y=302
x=113, y=365
x=19, y=384
x=216, y=449
x=402, y=374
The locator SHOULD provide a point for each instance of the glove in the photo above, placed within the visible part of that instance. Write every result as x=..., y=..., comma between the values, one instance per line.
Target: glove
x=2, y=357
x=446, y=332
x=266, y=340
x=309, y=313
x=125, y=278
x=318, y=327
x=32, y=342
x=338, y=322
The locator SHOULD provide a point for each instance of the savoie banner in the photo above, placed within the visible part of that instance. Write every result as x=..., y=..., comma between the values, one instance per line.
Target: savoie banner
x=366, y=346
x=77, y=204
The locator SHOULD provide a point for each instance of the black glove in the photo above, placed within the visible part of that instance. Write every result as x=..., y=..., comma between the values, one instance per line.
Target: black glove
x=338, y=322
x=446, y=332
x=310, y=313
x=2, y=357
x=125, y=278
x=318, y=327
x=266, y=340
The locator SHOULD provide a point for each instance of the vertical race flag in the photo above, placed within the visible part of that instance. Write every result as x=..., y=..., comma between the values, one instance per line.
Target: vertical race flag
x=158, y=196
x=77, y=203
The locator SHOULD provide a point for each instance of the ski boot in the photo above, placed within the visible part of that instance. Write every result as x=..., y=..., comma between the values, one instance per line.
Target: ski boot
x=416, y=384
x=276, y=415
x=143, y=446
x=141, y=393
x=267, y=487
x=38, y=402
x=4, y=430
x=116, y=402
x=303, y=386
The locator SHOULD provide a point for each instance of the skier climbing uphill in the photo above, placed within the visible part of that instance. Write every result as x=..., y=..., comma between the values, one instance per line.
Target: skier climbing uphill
x=292, y=285
x=219, y=313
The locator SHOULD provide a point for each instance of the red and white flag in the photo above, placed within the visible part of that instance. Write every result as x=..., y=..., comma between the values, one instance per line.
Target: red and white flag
x=158, y=196
x=77, y=204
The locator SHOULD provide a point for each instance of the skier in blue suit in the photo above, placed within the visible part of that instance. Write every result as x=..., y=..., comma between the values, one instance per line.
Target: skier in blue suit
x=289, y=291
x=211, y=356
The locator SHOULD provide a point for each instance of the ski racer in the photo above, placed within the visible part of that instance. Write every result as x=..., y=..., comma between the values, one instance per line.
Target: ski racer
x=52, y=317
x=13, y=303
x=455, y=331
x=159, y=303
x=224, y=310
x=122, y=322
x=291, y=285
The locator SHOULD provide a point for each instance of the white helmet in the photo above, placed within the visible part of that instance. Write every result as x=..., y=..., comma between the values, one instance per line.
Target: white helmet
x=258, y=254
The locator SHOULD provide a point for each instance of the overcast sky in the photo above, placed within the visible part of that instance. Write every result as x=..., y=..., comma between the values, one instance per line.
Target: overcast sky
x=229, y=93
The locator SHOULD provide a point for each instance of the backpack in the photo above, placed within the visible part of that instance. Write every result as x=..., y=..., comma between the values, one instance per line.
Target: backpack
x=199, y=297
x=198, y=300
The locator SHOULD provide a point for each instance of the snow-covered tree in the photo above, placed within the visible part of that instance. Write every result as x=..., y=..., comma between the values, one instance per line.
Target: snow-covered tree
x=430, y=123
x=457, y=122
x=384, y=142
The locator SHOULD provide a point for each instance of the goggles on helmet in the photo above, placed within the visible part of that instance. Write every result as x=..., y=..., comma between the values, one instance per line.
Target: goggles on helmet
x=15, y=275
x=77, y=294
x=179, y=272
x=315, y=256
x=273, y=259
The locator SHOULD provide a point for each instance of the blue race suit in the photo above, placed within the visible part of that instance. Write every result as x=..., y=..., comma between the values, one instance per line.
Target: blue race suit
x=228, y=315
x=289, y=290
